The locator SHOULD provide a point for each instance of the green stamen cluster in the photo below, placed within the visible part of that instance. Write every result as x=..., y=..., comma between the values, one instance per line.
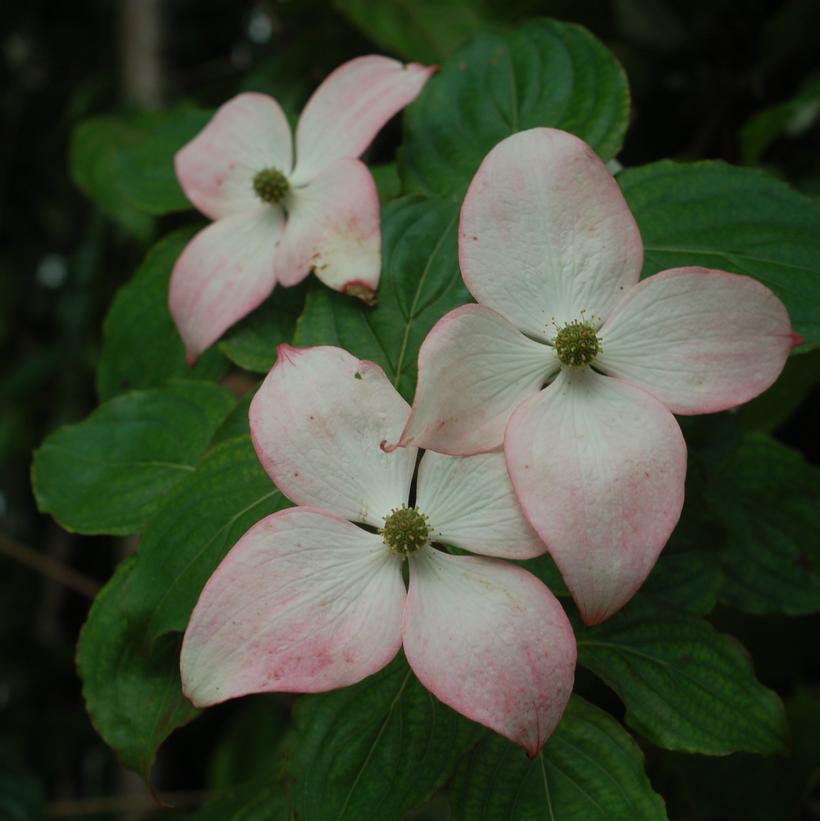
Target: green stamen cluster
x=271, y=185
x=405, y=531
x=577, y=344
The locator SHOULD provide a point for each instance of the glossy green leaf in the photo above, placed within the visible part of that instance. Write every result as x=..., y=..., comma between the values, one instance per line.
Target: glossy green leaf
x=94, y=157
x=768, y=498
x=420, y=283
x=146, y=164
x=197, y=525
x=110, y=472
x=685, y=686
x=244, y=753
x=141, y=346
x=126, y=164
x=425, y=31
x=687, y=576
x=236, y=422
x=133, y=697
x=546, y=73
x=252, y=343
x=388, y=181
x=735, y=219
x=374, y=750
x=744, y=787
x=687, y=580
x=590, y=770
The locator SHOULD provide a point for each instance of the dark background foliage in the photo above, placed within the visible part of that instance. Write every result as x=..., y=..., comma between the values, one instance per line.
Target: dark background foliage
x=720, y=79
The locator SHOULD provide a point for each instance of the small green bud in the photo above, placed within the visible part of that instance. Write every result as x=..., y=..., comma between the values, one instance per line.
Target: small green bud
x=405, y=531
x=271, y=185
x=577, y=344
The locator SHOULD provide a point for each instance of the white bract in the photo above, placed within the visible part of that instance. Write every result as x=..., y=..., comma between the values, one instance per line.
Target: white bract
x=576, y=367
x=313, y=598
x=275, y=220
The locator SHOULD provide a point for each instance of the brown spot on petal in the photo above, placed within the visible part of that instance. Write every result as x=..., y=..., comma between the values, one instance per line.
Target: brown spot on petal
x=361, y=291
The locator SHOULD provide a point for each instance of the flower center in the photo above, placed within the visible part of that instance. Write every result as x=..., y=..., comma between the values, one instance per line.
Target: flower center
x=271, y=185
x=577, y=344
x=405, y=531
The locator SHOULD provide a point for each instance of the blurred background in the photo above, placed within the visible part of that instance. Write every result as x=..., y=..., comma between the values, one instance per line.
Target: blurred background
x=714, y=79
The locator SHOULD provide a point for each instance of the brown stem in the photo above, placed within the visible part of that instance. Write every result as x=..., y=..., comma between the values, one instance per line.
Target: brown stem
x=52, y=568
x=124, y=803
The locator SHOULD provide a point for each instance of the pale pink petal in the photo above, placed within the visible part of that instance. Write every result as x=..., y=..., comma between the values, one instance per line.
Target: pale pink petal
x=347, y=110
x=474, y=368
x=697, y=339
x=598, y=466
x=490, y=640
x=246, y=135
x=470, y=503
x=303, y=602
x=333, y=229
x=223, y=273
x=546, y=236
x=317, y=422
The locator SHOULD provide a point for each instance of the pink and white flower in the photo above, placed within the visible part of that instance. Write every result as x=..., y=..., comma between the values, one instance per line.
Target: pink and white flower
x=276, y=220
x=309, y=601
x=576, y=367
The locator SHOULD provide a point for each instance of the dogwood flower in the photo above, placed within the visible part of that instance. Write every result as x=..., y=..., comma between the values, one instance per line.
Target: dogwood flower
x=275, y=221
x=309, y=601
x=576, y=367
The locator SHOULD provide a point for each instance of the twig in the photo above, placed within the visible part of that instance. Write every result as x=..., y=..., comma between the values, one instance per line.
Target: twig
x=125, y=803
x=52, y=568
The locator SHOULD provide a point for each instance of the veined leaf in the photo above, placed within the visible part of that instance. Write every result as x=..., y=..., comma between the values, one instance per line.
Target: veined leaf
x=109, y=473
x=590, y=770
x=134, y=697
x=768, y=498
x=374, y=750
x=685, y=686
x=199, y=522
x=420, y=283
x=736, y=219
x=141, y=346
x=545, y=73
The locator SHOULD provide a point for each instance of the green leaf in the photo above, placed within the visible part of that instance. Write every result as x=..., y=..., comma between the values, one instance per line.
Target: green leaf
x=589, y=769
x=735, y=219
x=422, y=30
x=544, y=74
x=768, y=498
x=236, y=422
x=199, y=522
x=255, y=804
x=252, y=343
x=126, y=164
x=743, y=787
x=94, y=164
x=141, y=346
x=420, y=283
x=134, y=699
x=685, y=686
x=244, y=753
x=146, y=164
x=374, y=750
x=687, y=575
x=109, y=473
x=388, y=181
